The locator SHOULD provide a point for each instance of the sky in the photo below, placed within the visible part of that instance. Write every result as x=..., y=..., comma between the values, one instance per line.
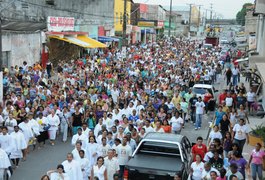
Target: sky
x=225, y=8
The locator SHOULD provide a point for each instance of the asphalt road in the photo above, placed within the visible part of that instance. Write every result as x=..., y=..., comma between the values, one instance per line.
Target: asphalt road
x=40, y=161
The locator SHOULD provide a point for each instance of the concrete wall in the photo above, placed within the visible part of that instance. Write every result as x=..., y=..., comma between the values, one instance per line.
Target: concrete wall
x=22, y=47
x=261, y=35
x=250, y=23
x=90, y=10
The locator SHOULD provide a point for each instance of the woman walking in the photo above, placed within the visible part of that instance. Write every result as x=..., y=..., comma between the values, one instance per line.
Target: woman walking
x=256, y=160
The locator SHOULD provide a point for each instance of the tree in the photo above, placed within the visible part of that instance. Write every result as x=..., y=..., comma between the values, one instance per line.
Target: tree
x=240, y=16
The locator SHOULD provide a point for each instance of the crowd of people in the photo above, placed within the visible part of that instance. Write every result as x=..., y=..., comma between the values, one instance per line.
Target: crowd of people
x=106, y=103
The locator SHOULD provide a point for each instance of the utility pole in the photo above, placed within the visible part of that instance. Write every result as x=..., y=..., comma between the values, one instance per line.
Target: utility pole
x=169, y=22
x=124, y=24
x=211, y=16
x=199, y=17
x=1, y=56
x=1, y=64
x=190, y=17
x=206, y=10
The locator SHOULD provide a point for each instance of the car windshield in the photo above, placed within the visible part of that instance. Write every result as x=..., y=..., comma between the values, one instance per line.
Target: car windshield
x=199, y=90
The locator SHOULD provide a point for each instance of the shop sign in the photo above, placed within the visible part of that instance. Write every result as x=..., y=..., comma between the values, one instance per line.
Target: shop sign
x=59, y=24
x=146, y=24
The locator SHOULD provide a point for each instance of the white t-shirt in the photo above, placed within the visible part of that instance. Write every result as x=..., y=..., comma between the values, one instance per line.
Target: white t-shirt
x=207, y=174
x=176, y=123
x=228, y=101
x=240, y=131
x=214, y=135
x=199, y=107
x=124, y=152
x=251, y=96
x=197, y=170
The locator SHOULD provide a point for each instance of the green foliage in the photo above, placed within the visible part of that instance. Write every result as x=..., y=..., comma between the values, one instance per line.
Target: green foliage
x=259, y=131
x=240, y=16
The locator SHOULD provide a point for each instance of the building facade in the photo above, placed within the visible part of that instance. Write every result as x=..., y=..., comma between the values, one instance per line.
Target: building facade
x=23, y=22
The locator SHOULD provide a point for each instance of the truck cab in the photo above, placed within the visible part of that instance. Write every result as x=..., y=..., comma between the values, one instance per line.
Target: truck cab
x=160, y=156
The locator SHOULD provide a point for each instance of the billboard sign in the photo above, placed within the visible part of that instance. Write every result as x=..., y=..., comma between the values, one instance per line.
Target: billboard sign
x=60, y=24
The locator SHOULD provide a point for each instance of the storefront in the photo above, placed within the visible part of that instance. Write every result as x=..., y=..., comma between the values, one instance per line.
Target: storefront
x=136, y=34
x=148, y=32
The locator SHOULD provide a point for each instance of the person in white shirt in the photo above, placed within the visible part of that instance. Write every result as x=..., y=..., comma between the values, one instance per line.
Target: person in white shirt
x=84, y=162
x=65, y=117
x=251, y=98
x=5, y=163
x=53, y=121
x=115, y=94
x=19, y=145
x=229, y=100
x=75, y=152
x=85, y=130
x=124, y=152
x=58, y=174
x=35, y=128
x=176, y=123
x=10, y=122
x=206, y=173
x=197, y=168
x=148, y=128
x=103, y=147
x=240, y=133
x=79, y=137
x=159, y=128
x=28, y=135
x=214, y=134
x=111, y=164
x=72, y=168
x=199, y=112
x=6, y=141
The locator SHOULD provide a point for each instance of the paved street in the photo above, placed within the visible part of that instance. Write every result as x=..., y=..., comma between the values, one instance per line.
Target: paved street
x=40, y=161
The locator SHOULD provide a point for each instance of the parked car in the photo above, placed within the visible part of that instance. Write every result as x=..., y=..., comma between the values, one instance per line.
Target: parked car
x=159, y=156
x=201, y=89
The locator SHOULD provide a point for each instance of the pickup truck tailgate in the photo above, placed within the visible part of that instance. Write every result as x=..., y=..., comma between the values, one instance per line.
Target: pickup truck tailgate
x=149, y=163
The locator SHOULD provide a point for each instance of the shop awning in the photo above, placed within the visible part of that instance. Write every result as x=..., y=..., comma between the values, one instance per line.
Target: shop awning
x=107, y=39
x=93, y=43
x=148, y=31
x=81, y=40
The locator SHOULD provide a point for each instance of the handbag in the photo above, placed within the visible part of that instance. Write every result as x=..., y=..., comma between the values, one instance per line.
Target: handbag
x=47, y=127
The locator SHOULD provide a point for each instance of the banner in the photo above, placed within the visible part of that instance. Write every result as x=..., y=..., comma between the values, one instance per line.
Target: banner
x=59, y=24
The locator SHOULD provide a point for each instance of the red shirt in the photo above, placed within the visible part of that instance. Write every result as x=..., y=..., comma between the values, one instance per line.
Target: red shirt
x=222, y=98
x=207, y=97
x=199, y=150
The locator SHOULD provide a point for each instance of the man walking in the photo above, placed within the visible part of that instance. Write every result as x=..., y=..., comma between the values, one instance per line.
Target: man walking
x=199, y=112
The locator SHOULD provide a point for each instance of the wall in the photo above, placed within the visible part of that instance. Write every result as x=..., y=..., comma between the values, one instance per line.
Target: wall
x=261, y=35
x=250, y=23
x=86, y=12
x=118, y=14
x=22, y=47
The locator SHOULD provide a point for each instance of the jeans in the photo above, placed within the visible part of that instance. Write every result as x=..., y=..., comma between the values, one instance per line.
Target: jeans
x=198, y=120
x=121, y=172
x=240, y=143
x=192, y=115
x=64, y=131
x=256, y=168
x=235, y=79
